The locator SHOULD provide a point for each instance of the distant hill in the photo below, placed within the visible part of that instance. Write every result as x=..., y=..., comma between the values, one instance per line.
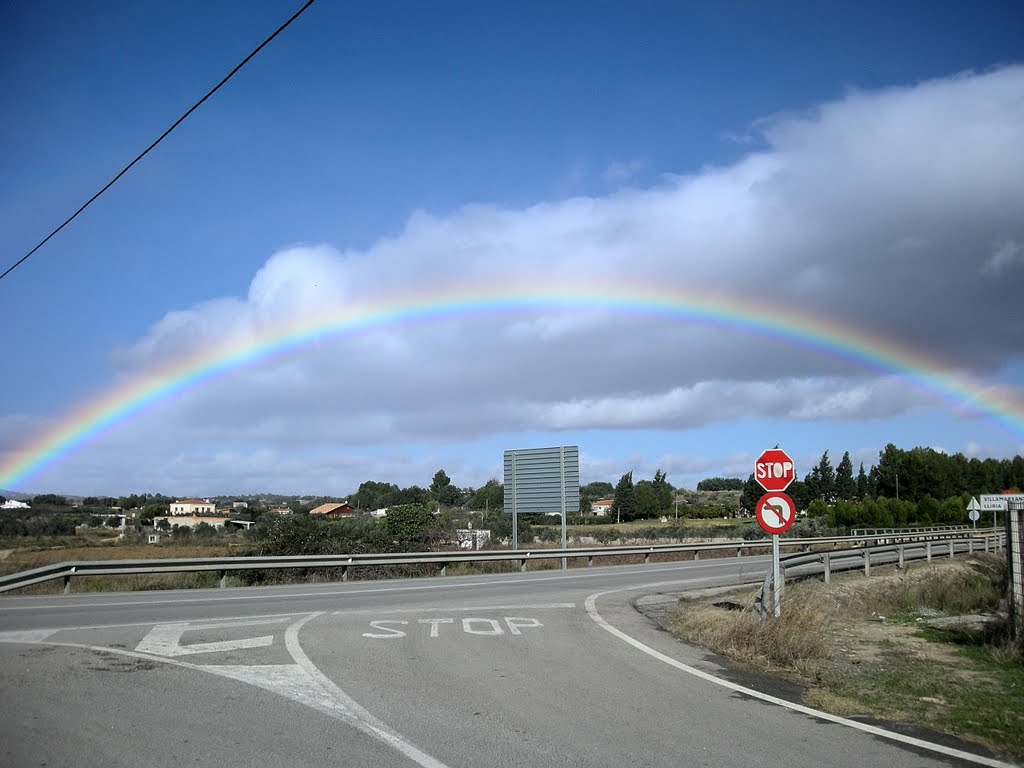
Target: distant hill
x=15, y=495
x=26, y=496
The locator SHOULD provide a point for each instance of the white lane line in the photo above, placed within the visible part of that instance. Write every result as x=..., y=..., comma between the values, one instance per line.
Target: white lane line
x=591, y=606
x=356, y=714
x=267, y=616
x=523, y=579
x=452, y=609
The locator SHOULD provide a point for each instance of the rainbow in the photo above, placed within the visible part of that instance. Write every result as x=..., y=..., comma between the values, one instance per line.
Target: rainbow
x=94, y=417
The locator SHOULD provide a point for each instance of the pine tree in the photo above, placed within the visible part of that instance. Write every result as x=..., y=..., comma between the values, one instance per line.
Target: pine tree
x=846, y=486
x=863, y=484
x=624, y=504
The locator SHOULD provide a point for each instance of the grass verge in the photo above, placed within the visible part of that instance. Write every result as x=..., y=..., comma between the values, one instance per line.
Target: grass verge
x=885, y=647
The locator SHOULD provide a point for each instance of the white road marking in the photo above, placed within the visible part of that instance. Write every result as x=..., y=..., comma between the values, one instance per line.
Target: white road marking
x=492, y=627
x=591, y=606
x=353, y=712
x=435, y=625
x=516, y=623
x=27, y=635
x=165, y=639
x=391, y=633
x=470, y=625
x=301, y=682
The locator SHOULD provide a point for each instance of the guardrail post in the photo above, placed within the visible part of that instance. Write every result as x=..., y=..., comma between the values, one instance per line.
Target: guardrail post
x=739, y=551
x=827, y=560
x=522, y=565
x=928, y=547
x=590, y=561
x=67, y=584
x=444, y=569
x=950, y=549
x=970, y=546
x=344, y=573
x=647, y=558
x=902, y=561
x=696, y=554
x=223, y=579
x=867, y=562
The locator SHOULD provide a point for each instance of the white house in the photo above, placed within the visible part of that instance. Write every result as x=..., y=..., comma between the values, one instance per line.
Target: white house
x=191, y=521
x=14, y=504
x=193, y=507
x=600, y=508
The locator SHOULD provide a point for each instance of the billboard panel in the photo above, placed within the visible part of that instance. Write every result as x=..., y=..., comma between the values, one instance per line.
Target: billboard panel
x=541, y=480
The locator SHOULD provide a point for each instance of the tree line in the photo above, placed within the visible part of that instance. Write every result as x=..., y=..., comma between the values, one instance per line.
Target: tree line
x=920, y=485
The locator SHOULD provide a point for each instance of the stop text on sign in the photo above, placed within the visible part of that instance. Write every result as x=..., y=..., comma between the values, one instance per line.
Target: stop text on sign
x=774, y=470
x=388, y=629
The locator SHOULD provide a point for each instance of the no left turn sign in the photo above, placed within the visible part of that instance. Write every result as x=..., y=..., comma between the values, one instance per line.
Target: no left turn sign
x=775, y=513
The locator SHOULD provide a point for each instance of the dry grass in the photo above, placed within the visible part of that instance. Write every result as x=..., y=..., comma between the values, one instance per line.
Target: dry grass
x=864, y=646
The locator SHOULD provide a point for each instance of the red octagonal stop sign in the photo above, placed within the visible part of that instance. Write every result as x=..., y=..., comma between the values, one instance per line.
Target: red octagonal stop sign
x=774, y=470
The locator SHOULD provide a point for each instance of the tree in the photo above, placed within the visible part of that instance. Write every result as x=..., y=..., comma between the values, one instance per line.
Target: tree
x=204, y=530
x=150, y=511
x=663, y=490
x=408, y=523
x=888, y=470
x=645, y=499
x=624, y=503
x=442, y=490
x=752, y=491
x=49, y=500
x=721, y=484
x=800, y=493
x=440, y=481
x=374, y=495
x=846, y=487
x=863, y=486
x=821, y=480
x=491, y=495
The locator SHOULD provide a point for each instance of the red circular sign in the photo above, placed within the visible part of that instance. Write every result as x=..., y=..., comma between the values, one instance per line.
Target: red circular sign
x=775, y=513
x=774, y=470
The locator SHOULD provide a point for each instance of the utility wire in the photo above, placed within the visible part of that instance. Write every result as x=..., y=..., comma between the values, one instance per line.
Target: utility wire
x=163, y=136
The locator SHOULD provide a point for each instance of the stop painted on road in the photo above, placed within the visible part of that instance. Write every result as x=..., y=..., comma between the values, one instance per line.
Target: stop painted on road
x=393, y=629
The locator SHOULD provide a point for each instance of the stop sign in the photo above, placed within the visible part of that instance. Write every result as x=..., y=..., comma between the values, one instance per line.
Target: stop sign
x=774, y=470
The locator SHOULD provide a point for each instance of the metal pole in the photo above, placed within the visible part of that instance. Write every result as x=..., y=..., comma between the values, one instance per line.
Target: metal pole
x=515, y=508
x=561, y=454
x=777, y=576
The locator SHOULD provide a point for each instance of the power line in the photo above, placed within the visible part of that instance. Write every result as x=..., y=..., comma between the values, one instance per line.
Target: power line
x=163, y=136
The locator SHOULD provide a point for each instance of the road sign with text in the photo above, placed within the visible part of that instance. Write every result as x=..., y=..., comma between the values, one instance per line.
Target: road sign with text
x=997, y=502
x=774, y=470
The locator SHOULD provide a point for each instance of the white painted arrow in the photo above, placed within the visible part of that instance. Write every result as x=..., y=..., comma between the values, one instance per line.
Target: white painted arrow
x=165, y=639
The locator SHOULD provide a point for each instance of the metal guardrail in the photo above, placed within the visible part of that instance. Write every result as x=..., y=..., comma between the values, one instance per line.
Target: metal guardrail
x=866, y=556
x=988, y=538
x=920, y=529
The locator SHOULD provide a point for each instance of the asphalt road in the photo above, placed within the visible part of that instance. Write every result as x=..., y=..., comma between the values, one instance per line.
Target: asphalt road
x=547, y=668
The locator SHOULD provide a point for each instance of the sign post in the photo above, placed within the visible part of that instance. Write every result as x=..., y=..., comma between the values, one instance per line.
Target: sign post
x=974, y=512
x=775, y=511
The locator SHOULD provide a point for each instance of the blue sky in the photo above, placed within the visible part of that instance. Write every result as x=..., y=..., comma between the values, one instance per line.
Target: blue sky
x=862, y=159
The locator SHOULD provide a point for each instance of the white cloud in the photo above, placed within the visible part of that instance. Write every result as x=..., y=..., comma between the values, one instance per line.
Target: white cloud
x=1004, y=255
x=871, y=210
x=874, y=211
